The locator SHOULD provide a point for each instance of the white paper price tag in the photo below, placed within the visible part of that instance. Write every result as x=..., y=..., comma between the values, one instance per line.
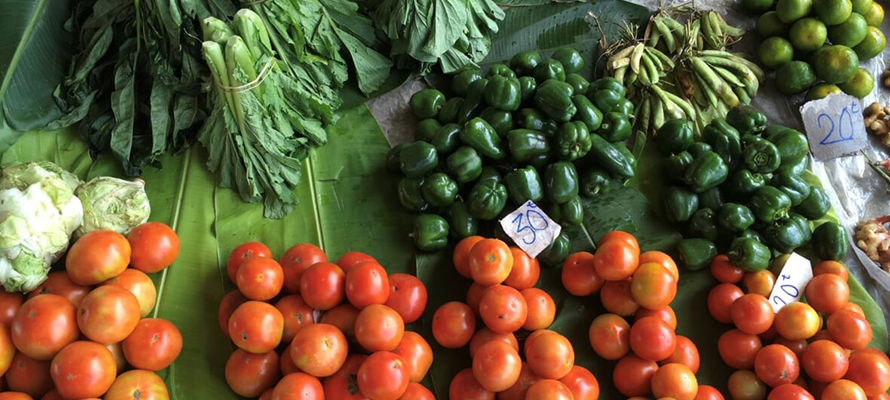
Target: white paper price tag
x=790, y=284
x=530, y=228
x=834, y=125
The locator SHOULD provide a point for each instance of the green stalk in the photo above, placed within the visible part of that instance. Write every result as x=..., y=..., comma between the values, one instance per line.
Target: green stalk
x=253, y=30
x=238, y=59
x=216, y=30
x=213, y=55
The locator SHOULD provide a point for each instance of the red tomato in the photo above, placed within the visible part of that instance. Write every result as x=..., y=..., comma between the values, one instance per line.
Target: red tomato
x=496, y=366
x=525, y=271
x=250, y=375
x=652, y=339
x=343, y=385
x=796, y=346
x=59, y=283
x=29, y=376
x=831, y=267
x=619, y=236
x=776, y=365
x=797, y=321
x=739, y=349
x=485, y=335
x=760, y=282
x=417, y=353
x=541, y=309
x=117, y=351
x=579, y=275
x=618, y=299
x=367, y=284
x=685, y=353
x=343, y=317
x=653, y=286
x=503, y=309
x=675, y=381
x=10, y=303
x=724, y=272
x=706, y=392
x=853, y=307
x=870, y=371
x=379, y=328
x=582, y=384
x=229, y=303
x=849, y=329
x=97, y=256
x=153, y=345
x=843, y=389
x=287, y=365
x=298, y=386
x=548, y=389
x=351, y=258
x=610, y=336
x=874, y=351
x=138, y=385
x=323, y=286
x=383, y=376
x=43, y=326
x=632, y=375
x=490, y=262
x=108, y=314
x=297, y=259
x=259, y=278
x=256, y=327
x=407, y=296
x=465, y=387
x=136, y=282
x=825, y=361
x=789, y=391
x=474, y=296
x=720, y=300
x=242, y=253
x=550, y=355
x=752, y=314
x=519, y=389
x=416, y=391
x=154, y=247
x=745, y=385
x=83, y=369
x=296, y=313
x=14, y=396
x=665, y=314
x=453, y=325
x=461, y=257
x=319, y=350
x=663, y=259
x=827, y=293
x=616, y=260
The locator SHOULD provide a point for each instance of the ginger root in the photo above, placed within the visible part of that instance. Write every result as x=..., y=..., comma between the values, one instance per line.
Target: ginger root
x=885, y=78
x=874, y=239
x=877, y=122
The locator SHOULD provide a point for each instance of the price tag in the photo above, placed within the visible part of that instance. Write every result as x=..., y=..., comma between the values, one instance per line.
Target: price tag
x=530, y=228
x=791, y=283
x=834, y=125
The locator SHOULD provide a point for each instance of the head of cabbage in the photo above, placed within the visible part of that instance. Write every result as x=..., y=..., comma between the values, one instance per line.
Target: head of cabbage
x=113, y=204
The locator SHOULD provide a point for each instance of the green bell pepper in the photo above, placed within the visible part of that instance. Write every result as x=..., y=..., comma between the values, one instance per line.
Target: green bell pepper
x=746, y=119
x=674, y=136
x=743, y=183
x=447, y=139
x=749, y=254
x=503, y=93
x=594, y=181
x=439, y=190
x=550, y=69
x=555, y=99
x=607, y=83
x=392, y=157
x=430, y=232
x=556, y=252
x=675, y=166
x=707, y=171
x=711, y=198
x=426, y=129
x=624, y=107
x=464, y=164
x=751, y=234
x=449, y=112
x=411, y=194
x=587, y=112
x=699, y=148
x=605, y=100
x=615, y=127
x=572, y=141
x=572, y=212
x=500, y=70
x=735, y=217
x=787, y=234
x=524, y=63
x=605, y=155
x=628, y=155
x=490, y=173
x=460, y=220
x=426, y=103
x=526, y=145
x=696, y=254
x=524, y=184
x=570, y=59
x=527, y=88
x=830, y=241
x=460, y=84
x=794, y=186
x=553, y=211
x=530, y=118
x=487, y=199
x=479, y=135
x=578, y=83
x=473, y=103
x=703, y=225
x=760, y=155
x=815, y=205
x=792, y=145
x=560, y=182
x=794, y=167
x=679, y=204
x=725, y=141
x=418, y=159
x=501, y=121
x=769, y=204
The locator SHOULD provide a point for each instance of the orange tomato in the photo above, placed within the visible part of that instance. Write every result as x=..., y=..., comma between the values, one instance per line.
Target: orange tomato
x=720, y=300
x=133, y=280
x=581, y=383
x=367, y=284
x=60, y=283
x=548, y=389
x=496, y=366
x=29, y=376
x=323, y=286
x=870, y=371
x=843, y=389
x=825, y=361
x=44, y=325
x=738, y=349
x=525, y=271
x=752, y=314
x=541, y=309
x=417, y=353
x=378, y=328
x=632, y=375
x=298, y=386
x=653, y=256
x=10, y=302
x=760, y=282
x=465, y=386
x=153, y=345
x=343, y=317
x=485, y=335
x=351, y=259
x=259, y=278
x=256, y=327
x=242, y=253
x=831, y=267
x=490, y=262
x=383, y=376
x=653, y=286
x=108, y=314
x=461, y=256
x=745, y=385
x=617, y=298
x=227, y=306
x=319, y=350
x=797, y=321
x=550, y=355
x=416, y=391
x=789, y=391
x=620, y=236
x=676, y=381
x=652, y=339
x=154, y=246
x=296, y=260
x=527, y=378
x=776, y=365
x=579, y=276
x=796, y=346
x=453, y=325
x=685, y=353
x=97, y=257
x=408, y=296
x=297, y=314
x=610, y=336
x=250, y=375
x=706, y=392
x=503, y=309
x=849, y=329
x=723, y=271
x=853, y=307
x=474, y=296
x=665, y=314
x=83, y=369
x=616, y=260
x=827, y=293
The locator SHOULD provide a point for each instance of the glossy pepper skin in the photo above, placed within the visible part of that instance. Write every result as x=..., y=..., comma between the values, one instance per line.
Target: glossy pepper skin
x=675, y=166
x=696, y=254
x=608, y=157
x=815, y=205
x=527, y=88
x=830, y=241
x=572, y=141
x=460, y=84
x=674, y=137
x=460, y=220
x=699, y=148
x=570, y=59
x=530, y=118
x=747, y=120
x=489, y=173
x=555, y=99
x=411, y=194
x=426, y=129
x=607, y=83
x=501, y=121
x=711, y=198
x=439, y=190
x=572, y=211
x=426, y=103
x=615, y=127
x=725, y=141
x=392, y=157
x=624, y=107
x=447, y=139
x=524, y=184
x=487, y=199
x=794, y=186
x=787, y=234
x=759, y=154
x=749, y=254
x=706, y=171
x=587, y=112
x=473, y=103
x=550, y=69
x=464, y=165
x=418, y=159
x=560, y=182
x=503, y=93
x=792, y=145
x=578, y=83
x=628, y=155
x=679, y=204
x=743, y=183
x=526, y=145
x=794, y=167
x=735, y=217
x=449, y=112
x=430, y=232
x=594, y=181
x=500, y=70
x=703, y=225
x=557, y=252
x=769, y=204
x=751, y=234
x=524, y=63
x=479, y=135
x=605, y=100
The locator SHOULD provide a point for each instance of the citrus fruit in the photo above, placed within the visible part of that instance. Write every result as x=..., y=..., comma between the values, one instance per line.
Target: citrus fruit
x=873, y=44
x=795, y=77
x=833, y=12
x=808, y=34
x=775, y=51
x=850, y=32
x=875, y=16
x=757, y=6
x=860, y=85
x=861, y=6
x=769, y=25
x=793, y=10
x=822, y=91
x=836, y=64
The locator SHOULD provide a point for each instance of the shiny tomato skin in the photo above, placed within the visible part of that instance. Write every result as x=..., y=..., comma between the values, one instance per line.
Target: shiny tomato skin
x=843, y=389
x=541, y=309
x=287, y=365
x=776, y=365
x=739, y=349
x=15, y=396
x=474, y=295
x=97, y=256
x=825, y=361
x=760, y=282
x=7, y=349
x=83, y=369
x=490, y=262
x=319, y=350
x=610, y=336
x=138, y=384
x=797, y=321
x=849, y=329
x=550, y=355
x=153, y=345
x=548, y=389
x=652, y=339
x=617, y=298
x=870, y=371
x=351, y=258
x=720, y=300
x=229, y=303
x=579, y=275
x=653, y=286
x=59, y=283
x=297, y=314
x=464, y=386
x=295, y=260
x=154, y=247
x=827, y=293
x=453, y=325
x=383, y=376
x=461, y=255
x=343, y=384
x=28, y=375
x=724, y=272
x=620, y=236
x=752, y=314
x=242, y=253
x=796, y=346
x=379, y=328
x=581, y=382
x=632, y=375
x=408, y=296
x=108, y=314
x=9, y=305
x=707, y=392
x=298, y=386
x=789, y=391
x=503, y=309
x=675, y=381
x=43, y=326
x=343, y=317
x=654, y=256
x=256, y=327
x=138, y=283
x=616, y=260
x=496, y=366
x=416, y=391
x=259, y=278
x=686, y=353
x=323, y=286
x=745, y=385
x=525, y=271
x=485, y=335
x=367, y=284
x=665, y=314
x=250, y=375
x=519, y=389
x=417, y=353
x=117, y=351
x=831, y=267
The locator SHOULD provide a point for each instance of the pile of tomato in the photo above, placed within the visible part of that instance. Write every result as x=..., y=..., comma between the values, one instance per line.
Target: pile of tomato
x=84, y=332
x=307, y=328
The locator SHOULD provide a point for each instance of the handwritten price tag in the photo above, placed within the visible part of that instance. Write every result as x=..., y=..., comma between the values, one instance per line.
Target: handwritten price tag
x=790, y=284
x=834, y=125
x=530, y=228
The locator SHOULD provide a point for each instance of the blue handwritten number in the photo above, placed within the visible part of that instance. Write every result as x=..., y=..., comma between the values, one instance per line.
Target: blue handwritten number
x=785, y=288
x=530, y=225
x=777, y=299
x=844, y=125
x=520, y=229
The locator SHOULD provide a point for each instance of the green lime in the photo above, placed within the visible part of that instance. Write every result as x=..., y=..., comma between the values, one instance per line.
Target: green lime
x=769, y=25
x=808, y=34
x=836, y=64
x=757, y=6
x=850, y=32
x=793, y=10
x=873, y=44
x=860, y=85
x=875, y=16
x=795, y=77
x=833, y=12
x=822, y=91
x=861, y=6
x=775, y=51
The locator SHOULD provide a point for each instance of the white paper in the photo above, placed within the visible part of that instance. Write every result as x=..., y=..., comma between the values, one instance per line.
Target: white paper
x=530, y=228
x=834, y=126
x=792, y=282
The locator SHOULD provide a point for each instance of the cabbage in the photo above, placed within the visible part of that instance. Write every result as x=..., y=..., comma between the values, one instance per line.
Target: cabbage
x=113, y=204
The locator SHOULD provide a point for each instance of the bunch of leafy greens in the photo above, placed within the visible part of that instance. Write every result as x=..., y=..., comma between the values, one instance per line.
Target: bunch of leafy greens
x=453, y=33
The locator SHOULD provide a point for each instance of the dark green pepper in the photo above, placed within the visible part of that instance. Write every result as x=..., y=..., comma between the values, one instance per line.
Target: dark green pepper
x=447, y=139
x=527, y=88
x=608, y=83
x=555, y=99
x=815, y=205
x=460, y=84
x=792, y=145
x=746, y=119
x=530, y=118
x=411, y=194
x=628, y=155
x=699, y=148
x=679, y=204
x=449, y=112
x=572, y=141
x=594, y=181
x=526, y=145
x=587, y=112
x=392, y=157
x=711, y=198
x=751, y=234
x=572, y=212
x=418, y=159
x=500, y=70
x=696, y=254
x=439, y=190
x=560, y=182
x=473, y=103
x=743, y=183
x=524, y=184
x=426, y=129
x=553, y=211
x=605, y=100
x=772, y=130
x=674, y=136
x=500, y=120
x=703, y=225
x=769, y=204
x=735, y=217
x=430, y=232
x=503, y=93
x=760, y=155
x=830, y=241
x=794, y=167
x=725, y=141
x=794, y=186
x=706, y=171
x=615, y=127
x=787, y=234
x=607, y=156
x=556, y=252
x=524, y=63
x=675, y=166
x=464, y=164
x=570, y=59
x=460, y=220
x=550, y=69
x=487, y=199
x=624, y=107
x=578, y=83
x=490, y=173
x=479, y=135
x=749, y=254
x=426, y=103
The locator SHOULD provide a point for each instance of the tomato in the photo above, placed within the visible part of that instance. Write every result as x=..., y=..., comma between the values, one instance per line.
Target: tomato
x=343, y=385
x=250, y=375
x=227, y=306
x=297, y=314
x=153, y=345
x=461, y=256
x=685, y=353
x=620, y=236
x=827, y=293
x=610, y=336
x=579, y=276
x=760, y=282
x=870, y=371
x=453, y=325
x=831, y=267
x=491, y=262
x=617, y=298
x=776, y=365
x=720, y=300
x=323, y=286
x=616, y=260
x=632, y=375
x=117, y=351
x=665, y=314
x=136, y=282
x=662, y=259
x=496, y=366
x=366, y=284
x=259, y=278
x=652, y=339
x=298, y=386
x=154, y=246
x=485, y=335
x=706, y=392
x=525, y=271
x=256, y=327
x=825, y=361
x=43, y=326
x=97, y=256
x=319, y=350
x=853, y=307
x=83, y=369
x=745, y=385
x=752, y=313
x=383, y=376
x=789, y=391
x=295, y=260
x=138, y=385
x=407, y=296
x=416, y=391
x=28, y=375
x=676, y=381
x=503, y=309
x=541, y=309
x=108, y=314
x=351, y=258
x=797, y=321
x=7, y=350
x=474, y=295
x=843, y=389
x=242, y=253
x=465, y=387
x=526, y=378
x=581, y=382
x=343, y=317
x=738, y=349
x=14, y=396
x=10, y=303
x=653, y=286
x=379, y=328
x=550, y=355
x=284, y=361
x=724, y=272
x=417, y=353
x=548, y=389
x=849, y=329
x=59, y=283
